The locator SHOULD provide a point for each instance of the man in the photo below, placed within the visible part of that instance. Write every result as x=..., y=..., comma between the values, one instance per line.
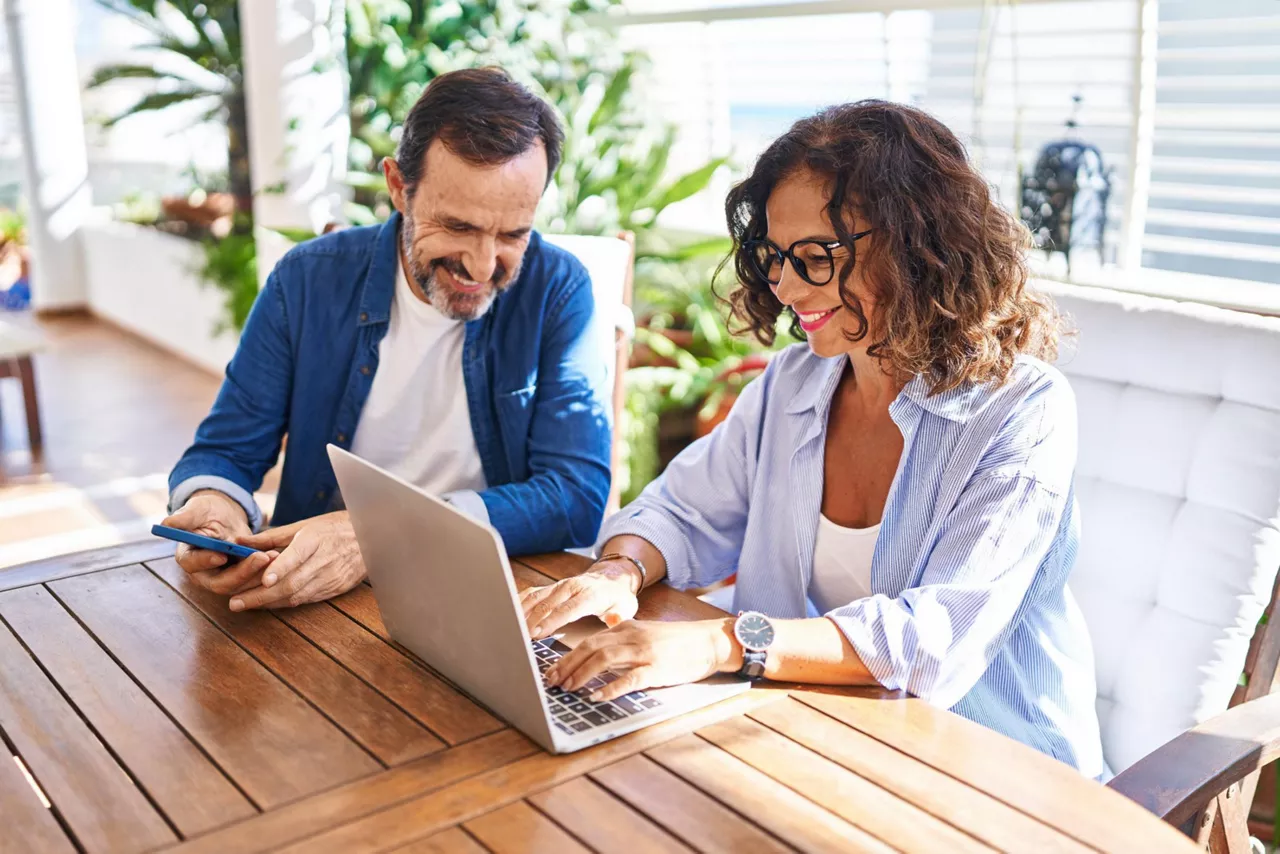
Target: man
x=449, y=345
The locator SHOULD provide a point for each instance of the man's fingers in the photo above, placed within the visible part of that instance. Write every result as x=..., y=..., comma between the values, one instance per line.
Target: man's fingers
x=232, y=578
x=184, y=519
x=288, y=574
x=198, y=560
x=272, y=538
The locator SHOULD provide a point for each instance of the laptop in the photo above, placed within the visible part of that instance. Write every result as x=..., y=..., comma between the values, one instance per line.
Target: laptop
x=446, y=593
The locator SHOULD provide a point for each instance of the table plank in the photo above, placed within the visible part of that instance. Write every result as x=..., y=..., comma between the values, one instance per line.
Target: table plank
x=297, y=821
x=599, y=819
x=101, y=805
x=360, y=605
x=465, y=800
x=859, y=802
x=183, y=783
x=773, y=806
x=371, y=719
x=65, y=566
x=273, y=744
x=26, y=820
x=1025, y=779
x=520, y=829
x=697, y=818
x=408, y=684
x=451, y=841
x=937, y=794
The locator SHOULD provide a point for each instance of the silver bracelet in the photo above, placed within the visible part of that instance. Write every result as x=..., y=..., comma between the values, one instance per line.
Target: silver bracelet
x=644, y=573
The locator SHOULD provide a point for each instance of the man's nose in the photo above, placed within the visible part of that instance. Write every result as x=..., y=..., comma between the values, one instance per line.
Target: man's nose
x=481, y=259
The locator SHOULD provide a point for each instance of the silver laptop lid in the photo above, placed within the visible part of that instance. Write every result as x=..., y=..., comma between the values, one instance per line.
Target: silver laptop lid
x=445, y=590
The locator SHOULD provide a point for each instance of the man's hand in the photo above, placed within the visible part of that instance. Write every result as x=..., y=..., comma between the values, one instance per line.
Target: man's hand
x=213, y=514
x=649, y=655
x=607, y=590
x=319, y=559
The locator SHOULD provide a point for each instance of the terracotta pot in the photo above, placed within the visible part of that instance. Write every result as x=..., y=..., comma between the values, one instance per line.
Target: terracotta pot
x=202, y=210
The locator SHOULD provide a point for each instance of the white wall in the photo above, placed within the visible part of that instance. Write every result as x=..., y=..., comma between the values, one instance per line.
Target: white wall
x=145, y=281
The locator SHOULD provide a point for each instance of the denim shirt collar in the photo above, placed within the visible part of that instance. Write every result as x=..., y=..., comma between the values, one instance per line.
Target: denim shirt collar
x=380, y=281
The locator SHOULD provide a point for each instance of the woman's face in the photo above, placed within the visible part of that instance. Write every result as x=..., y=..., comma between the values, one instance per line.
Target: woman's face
x=796, y=210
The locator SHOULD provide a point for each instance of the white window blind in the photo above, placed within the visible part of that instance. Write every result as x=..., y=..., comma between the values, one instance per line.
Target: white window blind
x=1214, y=203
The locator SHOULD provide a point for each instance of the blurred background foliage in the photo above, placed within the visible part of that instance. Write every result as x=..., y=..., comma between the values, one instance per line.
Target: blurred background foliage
x=615, y=175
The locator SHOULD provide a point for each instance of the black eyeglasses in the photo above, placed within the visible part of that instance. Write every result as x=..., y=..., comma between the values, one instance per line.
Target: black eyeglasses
x=811, y=259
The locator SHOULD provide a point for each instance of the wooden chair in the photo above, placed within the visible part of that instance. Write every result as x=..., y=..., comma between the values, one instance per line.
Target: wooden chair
x=610, y=261
x=1204, y=780
x=16, y=348
x=1178, y=482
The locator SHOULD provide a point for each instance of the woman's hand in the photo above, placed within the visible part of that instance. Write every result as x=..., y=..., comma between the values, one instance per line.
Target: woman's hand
x=608, y=591
x=649, y=655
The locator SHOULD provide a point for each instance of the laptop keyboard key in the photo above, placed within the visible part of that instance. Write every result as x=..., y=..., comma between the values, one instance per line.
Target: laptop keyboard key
x=627, y=706
x=567, y=717
x=564, y=728
x=650, y=703
x=595, y=718
x=581, y=726
x=579, y=707
x=611, y=712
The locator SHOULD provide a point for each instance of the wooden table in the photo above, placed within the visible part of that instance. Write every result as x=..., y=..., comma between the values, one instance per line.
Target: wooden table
x=154, y=718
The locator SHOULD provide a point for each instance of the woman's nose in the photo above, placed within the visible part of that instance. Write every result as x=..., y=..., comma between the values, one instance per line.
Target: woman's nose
x=790, y=287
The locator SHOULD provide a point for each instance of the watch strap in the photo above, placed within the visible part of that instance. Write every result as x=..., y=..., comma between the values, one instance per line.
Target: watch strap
x=753, y=664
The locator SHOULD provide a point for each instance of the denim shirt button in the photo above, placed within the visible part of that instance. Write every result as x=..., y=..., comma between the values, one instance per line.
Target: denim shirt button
x=364, y=316
x=320, y=495
x=364, y=369
x=342, y=438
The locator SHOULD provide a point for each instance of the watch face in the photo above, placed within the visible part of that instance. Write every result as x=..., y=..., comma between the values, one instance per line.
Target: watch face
x=754, y=631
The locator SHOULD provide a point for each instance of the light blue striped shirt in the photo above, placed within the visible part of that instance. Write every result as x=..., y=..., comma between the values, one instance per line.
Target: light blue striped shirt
x=969, y=608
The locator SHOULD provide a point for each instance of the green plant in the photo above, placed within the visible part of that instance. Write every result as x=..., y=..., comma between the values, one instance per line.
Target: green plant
x=199, y=62
x=230, y=264
x=13, y=228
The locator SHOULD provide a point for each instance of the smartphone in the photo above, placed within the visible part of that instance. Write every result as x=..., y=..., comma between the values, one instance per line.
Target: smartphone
x=200, y=542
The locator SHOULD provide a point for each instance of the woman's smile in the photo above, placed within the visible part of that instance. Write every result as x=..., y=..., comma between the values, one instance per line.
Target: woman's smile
x=812, y=321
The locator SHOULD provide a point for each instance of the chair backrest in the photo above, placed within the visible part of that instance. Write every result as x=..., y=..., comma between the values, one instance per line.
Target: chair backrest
x=1178, y=483
x=609, y=262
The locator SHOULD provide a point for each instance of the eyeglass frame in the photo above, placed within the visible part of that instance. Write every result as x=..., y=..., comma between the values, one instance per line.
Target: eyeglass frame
x=789, y=254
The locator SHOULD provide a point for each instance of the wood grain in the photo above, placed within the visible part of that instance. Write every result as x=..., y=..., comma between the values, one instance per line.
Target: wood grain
x=823, y=782
x=700, y=820
x=520, y=829
x=268, y=739
x=600, y=820
x=451, y=841
x=937, y=794
x=188, y=788
x=102, y=806
x=465, y=800
x=65, y=566
x=360, y=605
x=1025, y=779
x=364, y=714
x=778, y=809
x=28, y=824
x=297, y=821
x=421, y=693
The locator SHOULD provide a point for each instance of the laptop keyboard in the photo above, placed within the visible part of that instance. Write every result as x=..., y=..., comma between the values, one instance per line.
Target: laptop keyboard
x=572, y=712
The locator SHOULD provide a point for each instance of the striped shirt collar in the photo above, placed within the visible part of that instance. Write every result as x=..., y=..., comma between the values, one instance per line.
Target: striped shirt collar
x=958, y=404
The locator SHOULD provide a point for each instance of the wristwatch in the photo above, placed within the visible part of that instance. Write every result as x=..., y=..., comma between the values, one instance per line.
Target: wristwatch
x=754, y=631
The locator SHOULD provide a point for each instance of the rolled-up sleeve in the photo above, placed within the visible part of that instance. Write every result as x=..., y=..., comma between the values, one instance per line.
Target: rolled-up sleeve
x=938, y=638
x=695, y=514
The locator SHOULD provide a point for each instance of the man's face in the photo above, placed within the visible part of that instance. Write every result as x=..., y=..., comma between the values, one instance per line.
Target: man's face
x=466, y=227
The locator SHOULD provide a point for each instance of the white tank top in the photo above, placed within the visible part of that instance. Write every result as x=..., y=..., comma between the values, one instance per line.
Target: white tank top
x=841, y=564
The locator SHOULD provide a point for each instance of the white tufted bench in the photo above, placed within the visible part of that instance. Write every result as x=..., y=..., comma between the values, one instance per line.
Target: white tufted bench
x=1179, y=489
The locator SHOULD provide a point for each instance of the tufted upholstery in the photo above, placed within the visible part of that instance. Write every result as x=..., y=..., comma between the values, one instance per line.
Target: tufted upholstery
x=1179, y=490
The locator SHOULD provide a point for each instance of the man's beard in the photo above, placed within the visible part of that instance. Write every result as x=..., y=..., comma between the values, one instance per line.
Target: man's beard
x=452, y=303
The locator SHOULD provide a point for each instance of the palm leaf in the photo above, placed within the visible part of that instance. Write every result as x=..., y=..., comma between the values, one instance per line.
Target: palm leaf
x=110, y=73
x=688, y=184
x=159, y=101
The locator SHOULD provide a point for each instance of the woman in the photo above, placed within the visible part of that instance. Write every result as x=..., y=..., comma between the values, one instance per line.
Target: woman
x=906, y=474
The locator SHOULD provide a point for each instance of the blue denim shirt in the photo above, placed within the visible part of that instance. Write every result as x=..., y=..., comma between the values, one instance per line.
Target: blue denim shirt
x=534, y=375
x=970, y=609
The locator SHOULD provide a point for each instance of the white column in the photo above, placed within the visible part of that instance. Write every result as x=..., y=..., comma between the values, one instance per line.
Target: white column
x=296, y=97
x=41, y=36
x=1143, y=140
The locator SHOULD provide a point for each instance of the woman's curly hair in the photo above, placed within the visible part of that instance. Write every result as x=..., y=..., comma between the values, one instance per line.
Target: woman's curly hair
x=945, y=262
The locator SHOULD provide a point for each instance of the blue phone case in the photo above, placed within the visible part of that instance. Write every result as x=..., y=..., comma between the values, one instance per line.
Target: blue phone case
x=202, y=542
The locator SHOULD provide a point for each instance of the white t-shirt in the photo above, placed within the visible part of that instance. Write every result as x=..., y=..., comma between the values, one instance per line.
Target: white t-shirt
x=841, y=564
x=415, y=422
